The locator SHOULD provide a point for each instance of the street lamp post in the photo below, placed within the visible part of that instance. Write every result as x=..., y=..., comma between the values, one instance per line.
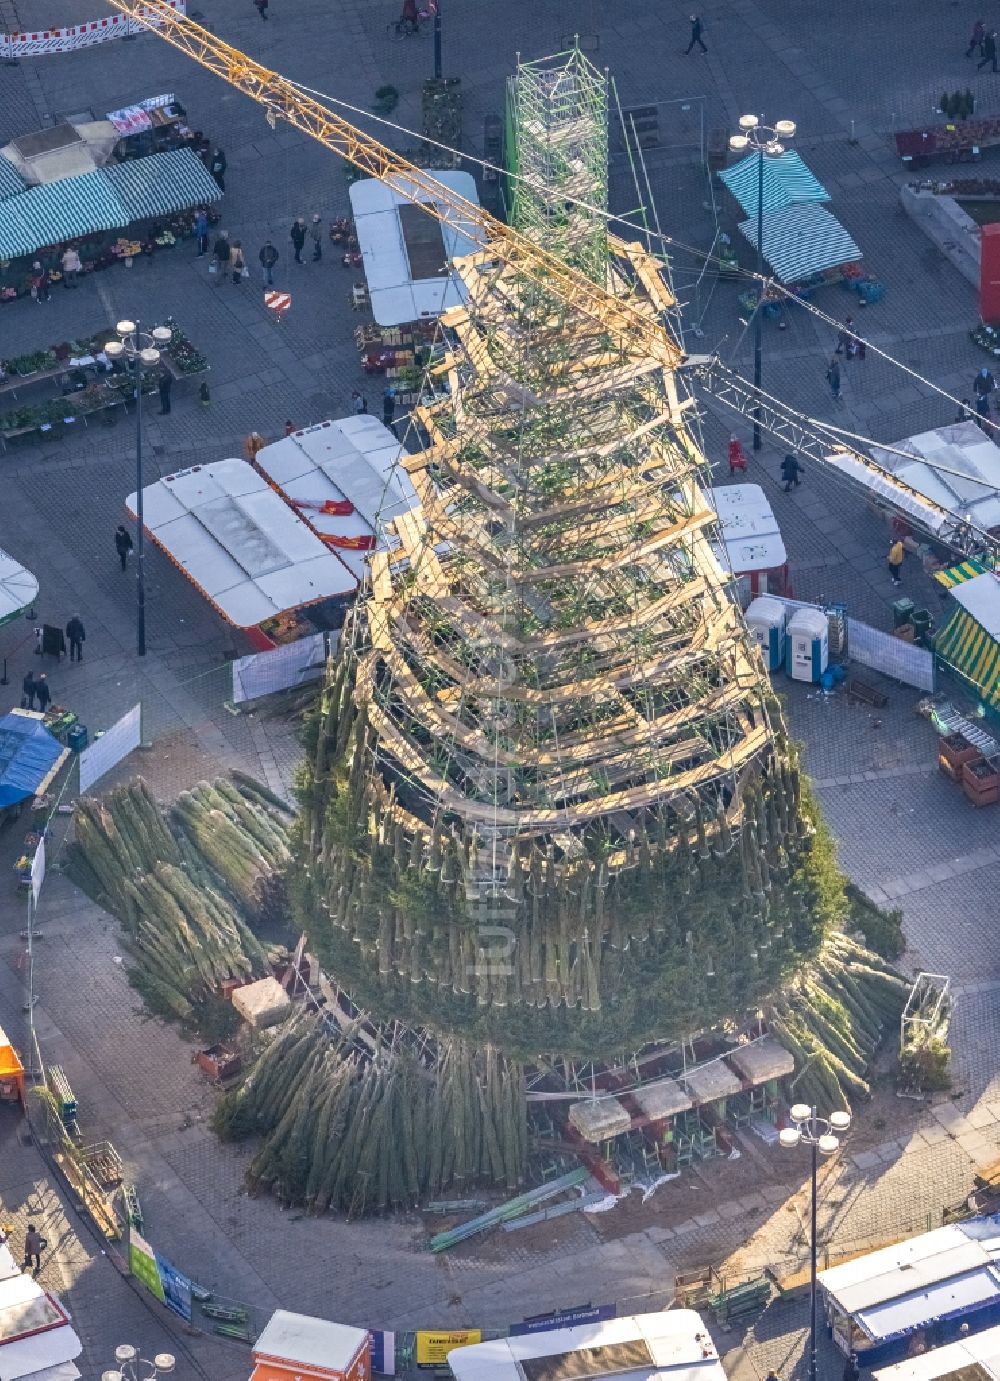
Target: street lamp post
x=767, y=141
x=437, y=40
x=130, y=1365
x=140, y=350
x=822, y=1135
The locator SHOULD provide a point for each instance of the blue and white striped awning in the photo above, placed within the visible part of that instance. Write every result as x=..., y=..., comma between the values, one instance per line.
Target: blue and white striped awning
x=800, y=241
x=11, y=181
x=787, y=182
x=162, y=184
x=57, y=211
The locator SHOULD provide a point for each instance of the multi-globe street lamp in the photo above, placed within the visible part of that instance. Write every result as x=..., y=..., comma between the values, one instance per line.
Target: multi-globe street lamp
x=130, y=1365
x=822, y=1135
x=140, y=350
x=767, y=141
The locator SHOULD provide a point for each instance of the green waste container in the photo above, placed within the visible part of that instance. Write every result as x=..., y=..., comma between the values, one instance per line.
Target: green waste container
x=902, y=612
x=76, y=738
x=921, y=626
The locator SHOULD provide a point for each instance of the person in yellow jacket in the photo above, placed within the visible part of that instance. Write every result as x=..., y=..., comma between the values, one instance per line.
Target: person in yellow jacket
x=897, y=553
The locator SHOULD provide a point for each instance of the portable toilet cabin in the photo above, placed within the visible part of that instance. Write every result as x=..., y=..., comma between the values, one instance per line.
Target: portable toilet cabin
x=807, y=645
x=766, y=621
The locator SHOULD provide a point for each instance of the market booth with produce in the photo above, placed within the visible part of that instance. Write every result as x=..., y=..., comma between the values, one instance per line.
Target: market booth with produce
x=94, y=187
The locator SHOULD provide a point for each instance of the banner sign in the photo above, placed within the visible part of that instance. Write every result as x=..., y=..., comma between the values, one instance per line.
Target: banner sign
x=433, y=1348
x=175, y=1286
x=903, y=661
x=42, y=41
x=142, y=1264
x=38, y=869
x=108, y=750
x=565, y=1318
x=383, y=1347
x=292, y=664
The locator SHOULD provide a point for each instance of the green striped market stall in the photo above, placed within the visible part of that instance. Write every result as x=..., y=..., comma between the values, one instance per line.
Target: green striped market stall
x=969, y=642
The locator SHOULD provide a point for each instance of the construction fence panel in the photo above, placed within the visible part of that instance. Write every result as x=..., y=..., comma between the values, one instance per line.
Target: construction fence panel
x=263, y=673
x=107, y=751
x=879, y=651
x=41, y=42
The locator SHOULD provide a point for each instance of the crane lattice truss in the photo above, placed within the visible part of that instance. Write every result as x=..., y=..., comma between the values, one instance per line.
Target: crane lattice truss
x=558, y=150
x=552, y=644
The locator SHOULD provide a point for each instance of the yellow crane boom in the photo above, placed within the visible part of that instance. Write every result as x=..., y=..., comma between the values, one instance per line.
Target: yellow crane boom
x=284, y=101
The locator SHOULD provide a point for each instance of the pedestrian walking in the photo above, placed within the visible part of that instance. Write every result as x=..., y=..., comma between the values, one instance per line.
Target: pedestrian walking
x=42, y=691
x=217, y=168
x=316, y=235
x=201, y=231
x=71, y=267
x=833, y=377
x=123, y=543
x=359, y=403
x=165, y=383
x=790, y=472
x=261, y=8
x=983, y=384
x=388, y=405
x=976, y=40
x=268, y=257
x=76, y=636
x=254, y=443
x=221, y=251
x=34, y=1245
x=290, y=427
x=737, y=456
x=298, y=237
x=237, y=262
x=28, y=692
x=697, y=29
x=989, y=52
x=897, y=555
x=845, y=338
x=39, y=282
x=983, y=406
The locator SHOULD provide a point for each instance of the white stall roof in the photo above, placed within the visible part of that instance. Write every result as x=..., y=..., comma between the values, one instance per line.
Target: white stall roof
x=35, y=1333
x=968, y=485
x=308, y=1342
x=675, y=1344
x=406, y=252
x=980, y=597
x=18, y=587
x=239, y=542
x=961, y=1357
x=749, y=528
x=353, y=458
x=951, y=1268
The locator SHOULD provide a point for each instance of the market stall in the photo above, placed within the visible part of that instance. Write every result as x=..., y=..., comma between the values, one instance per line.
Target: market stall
x=89, y=187
x=37, y=1338
x=11, y=1072
x=407, y=252
x=344, y=479
x=969, y=639
x=30, y=758
x=18, y=588
x=254, y=560
x=53, y=389
x=787, y=182
x=804, y=244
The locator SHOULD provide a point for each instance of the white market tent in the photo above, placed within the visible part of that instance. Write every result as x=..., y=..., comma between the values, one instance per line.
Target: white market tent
x=37, y=1341
x=407, y=251
x=750, y=530
x=884, y=1297
x=975, y=1357
x=968, y=486
x=354, y=459
x=18, y=588
x=240, y=543
x=671, y=1346
x=314, y=1345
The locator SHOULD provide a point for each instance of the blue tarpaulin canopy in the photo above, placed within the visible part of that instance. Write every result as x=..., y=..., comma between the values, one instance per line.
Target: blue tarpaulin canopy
x=787, y=182
x=29, y=756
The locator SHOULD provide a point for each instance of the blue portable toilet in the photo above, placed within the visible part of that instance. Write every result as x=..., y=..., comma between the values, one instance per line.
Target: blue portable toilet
x=807, y=645
x=766, y=620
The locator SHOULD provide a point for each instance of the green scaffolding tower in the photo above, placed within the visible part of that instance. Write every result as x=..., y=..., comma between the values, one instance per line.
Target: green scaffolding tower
x=557, y=149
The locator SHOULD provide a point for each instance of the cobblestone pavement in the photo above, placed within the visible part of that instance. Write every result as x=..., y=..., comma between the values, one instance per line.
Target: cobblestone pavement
x=904, y=835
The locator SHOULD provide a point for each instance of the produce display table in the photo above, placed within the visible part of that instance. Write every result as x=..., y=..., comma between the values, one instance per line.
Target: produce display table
x=958, y=142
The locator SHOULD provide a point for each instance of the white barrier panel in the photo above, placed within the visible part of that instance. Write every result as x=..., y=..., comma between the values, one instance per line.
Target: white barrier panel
x=263, y=673
x=42, y=41
x=903, y=661
x=38, y=869
x=108, y=750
